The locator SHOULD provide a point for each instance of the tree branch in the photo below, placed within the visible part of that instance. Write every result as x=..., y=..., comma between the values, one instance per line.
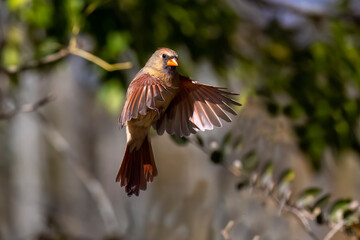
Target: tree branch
x=225, y=231
x=70, y=49
x=28, y=107
x=298, y=213
x=98, y=61
x=334, y=230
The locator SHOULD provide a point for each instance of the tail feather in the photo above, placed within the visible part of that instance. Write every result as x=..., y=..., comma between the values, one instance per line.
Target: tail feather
x=137, y=168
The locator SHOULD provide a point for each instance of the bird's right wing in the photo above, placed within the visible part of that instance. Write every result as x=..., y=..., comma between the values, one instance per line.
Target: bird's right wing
x=195, y=107
x=141, y=96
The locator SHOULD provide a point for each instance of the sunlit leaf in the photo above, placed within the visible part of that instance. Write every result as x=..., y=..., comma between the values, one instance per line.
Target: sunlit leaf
x=350, y=217
x=111, y=95
x=338, y=208
x=116, y=43
x=16, y=4
x=267, y=176
x=284, y=182
x=307, y=197
x=10, y=56
x=40, y=14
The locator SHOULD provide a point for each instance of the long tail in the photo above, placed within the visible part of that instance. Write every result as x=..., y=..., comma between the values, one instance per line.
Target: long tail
x=137, y=168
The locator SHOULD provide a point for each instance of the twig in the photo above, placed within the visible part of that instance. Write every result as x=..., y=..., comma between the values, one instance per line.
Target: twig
x=302, y=218
x=296, y=212
x=70, y=49
x=98, y=61
x=284, y=206
x=225, y=231
x=334, y=230
x=32, y=65
x=90, y=182
x=29, y=107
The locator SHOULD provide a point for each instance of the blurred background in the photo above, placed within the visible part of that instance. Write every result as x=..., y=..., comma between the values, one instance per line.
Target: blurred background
x=294, y=63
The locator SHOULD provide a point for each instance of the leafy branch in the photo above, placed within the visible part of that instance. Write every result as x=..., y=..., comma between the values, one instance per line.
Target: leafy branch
x=310, y=207
x=73, y=49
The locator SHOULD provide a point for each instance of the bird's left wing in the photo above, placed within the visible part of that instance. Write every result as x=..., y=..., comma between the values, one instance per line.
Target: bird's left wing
x=195, y=107
x=142, y=93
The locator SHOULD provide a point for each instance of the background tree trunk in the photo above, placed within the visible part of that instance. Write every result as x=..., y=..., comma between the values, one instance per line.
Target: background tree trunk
x=28, y=200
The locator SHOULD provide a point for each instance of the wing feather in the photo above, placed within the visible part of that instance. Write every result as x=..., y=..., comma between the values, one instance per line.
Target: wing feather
x=142, y=94
x=195, y=107
x=219, y=105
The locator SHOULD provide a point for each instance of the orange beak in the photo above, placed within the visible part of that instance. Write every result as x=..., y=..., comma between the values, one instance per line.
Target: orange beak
x=172, y=62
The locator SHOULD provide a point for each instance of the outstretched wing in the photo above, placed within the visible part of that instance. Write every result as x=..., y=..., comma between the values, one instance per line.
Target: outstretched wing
x=195, y=107
x=141, y=96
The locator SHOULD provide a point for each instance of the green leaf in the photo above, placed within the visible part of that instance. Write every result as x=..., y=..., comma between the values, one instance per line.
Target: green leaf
x=350, y=217
x=179, y=140
x=267, y=177
x=111, y=95
x=48, y=46
x=116, y=43
x=10, y=56
x=318, y=208
x=338, y=208
x=285, y=179
x=287, y=176
x=322, y=202
x=40, y=14
x=250, y=161
x=238, y=143
x=17, y=4
x=307, y=197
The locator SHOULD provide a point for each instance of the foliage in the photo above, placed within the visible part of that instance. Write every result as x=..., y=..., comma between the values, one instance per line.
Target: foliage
x=315, y=83
x=116, y=26
x=310, y=205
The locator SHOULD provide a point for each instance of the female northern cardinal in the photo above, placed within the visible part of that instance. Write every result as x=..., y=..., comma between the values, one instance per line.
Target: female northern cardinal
x=159, y=96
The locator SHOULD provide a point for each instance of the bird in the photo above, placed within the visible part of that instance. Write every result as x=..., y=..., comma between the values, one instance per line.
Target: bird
x=160, y=97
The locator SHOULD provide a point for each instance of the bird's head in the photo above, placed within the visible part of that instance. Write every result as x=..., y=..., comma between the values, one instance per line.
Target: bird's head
x=163, y=59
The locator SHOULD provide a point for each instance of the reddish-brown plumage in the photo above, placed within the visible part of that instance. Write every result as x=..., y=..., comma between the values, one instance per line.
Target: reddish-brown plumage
x=160, y=97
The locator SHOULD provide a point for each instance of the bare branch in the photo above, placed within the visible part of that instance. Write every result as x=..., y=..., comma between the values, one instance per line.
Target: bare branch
x=32, y=65
x=98, y=61
x=334, y=230
x=34, y=106
x=28, y=107
x=225, y=231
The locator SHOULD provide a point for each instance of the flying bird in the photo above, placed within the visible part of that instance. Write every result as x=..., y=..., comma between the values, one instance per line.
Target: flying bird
x=159, y=96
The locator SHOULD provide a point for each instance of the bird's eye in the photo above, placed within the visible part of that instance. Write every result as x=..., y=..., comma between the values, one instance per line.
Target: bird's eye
x=163, y=56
